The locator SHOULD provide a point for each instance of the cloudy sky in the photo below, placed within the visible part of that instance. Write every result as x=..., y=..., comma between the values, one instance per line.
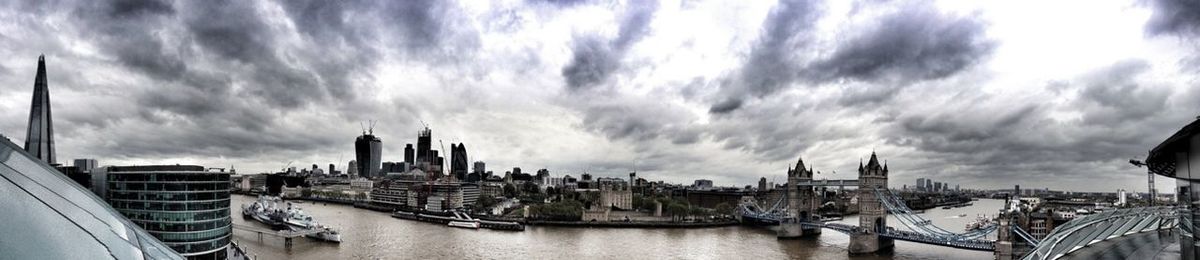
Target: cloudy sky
x=985, y=94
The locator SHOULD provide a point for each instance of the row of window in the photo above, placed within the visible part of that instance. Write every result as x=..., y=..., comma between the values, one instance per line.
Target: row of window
x=154, y=186
x=200, y=247
x=168, y=177
x=174, y=216
x=193, y=236
x=184, y=227
x=137, y=195
x=169, y=206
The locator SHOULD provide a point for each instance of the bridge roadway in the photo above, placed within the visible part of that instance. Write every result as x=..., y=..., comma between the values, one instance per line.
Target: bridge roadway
x=827, y=183
x=968, y=244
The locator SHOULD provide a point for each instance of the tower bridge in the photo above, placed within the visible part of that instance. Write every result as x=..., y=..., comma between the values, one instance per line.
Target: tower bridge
x=795, y=213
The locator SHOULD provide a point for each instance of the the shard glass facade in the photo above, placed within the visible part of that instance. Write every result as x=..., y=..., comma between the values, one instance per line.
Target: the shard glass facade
x=39, y=137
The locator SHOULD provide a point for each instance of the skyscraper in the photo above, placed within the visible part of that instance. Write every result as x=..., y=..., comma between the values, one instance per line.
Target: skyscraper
x=367, y=150
x=352, y=168
x=39, y=137
x=409, y=154
x=479, y=167
x=458, y=161
x=424, y=141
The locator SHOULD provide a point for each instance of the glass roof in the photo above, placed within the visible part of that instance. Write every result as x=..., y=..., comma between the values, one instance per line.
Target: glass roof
x=48, y=216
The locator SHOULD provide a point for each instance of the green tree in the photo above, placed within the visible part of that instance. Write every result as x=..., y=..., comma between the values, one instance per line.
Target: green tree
x=484, y=202
x=678, y=211
x=510, y=190
x=530, y=188
x=723, y=209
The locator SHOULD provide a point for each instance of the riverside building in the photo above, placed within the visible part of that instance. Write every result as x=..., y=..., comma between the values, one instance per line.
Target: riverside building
x=184, y=206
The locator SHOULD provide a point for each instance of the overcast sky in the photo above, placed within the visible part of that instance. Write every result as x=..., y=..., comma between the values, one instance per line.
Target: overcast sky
x=985, y=94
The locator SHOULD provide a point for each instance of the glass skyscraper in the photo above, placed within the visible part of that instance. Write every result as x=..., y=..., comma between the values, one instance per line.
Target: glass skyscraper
x=367, y=150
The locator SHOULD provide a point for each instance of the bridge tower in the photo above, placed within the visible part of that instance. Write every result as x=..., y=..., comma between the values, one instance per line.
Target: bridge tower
x=872, y=216
x=1004, y=241
x=803, y=204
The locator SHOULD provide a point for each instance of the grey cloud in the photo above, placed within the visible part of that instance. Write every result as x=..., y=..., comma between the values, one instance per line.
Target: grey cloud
x=638, y=119
x=729, y=105
x=771, y=65
x=122, y=8
x=993, y=135
x=1113, y=95
x=429, y=30
x=777, y=128
x=1180, y=17
x=916, y=43
x=594, y=60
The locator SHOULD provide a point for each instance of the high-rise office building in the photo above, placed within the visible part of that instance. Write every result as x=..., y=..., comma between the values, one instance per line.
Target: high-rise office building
x=352, y=168
x=479, y=167
x=39, y=137
x=409, y=154
x=368, y=151
x=920, y=184
x=458, y=161
x=332, y=170
x=424, y=143
x=197, y=226
x=85, y=165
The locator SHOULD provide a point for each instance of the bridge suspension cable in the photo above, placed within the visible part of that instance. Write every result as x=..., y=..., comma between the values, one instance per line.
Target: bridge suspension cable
x=919, y=224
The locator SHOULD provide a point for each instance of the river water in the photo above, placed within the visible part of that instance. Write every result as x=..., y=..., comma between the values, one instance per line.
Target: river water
x=375, y=235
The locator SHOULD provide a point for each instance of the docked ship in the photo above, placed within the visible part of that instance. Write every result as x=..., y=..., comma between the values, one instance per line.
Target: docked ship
x=297, y=220
x=980, y=222
x=268, y=211
x=265, y=210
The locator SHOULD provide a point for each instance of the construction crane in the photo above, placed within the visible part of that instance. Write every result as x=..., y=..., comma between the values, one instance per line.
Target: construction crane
x=1149, y=178
x=443, y=168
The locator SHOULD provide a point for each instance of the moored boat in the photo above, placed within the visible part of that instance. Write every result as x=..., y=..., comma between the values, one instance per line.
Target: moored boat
x=464, y=224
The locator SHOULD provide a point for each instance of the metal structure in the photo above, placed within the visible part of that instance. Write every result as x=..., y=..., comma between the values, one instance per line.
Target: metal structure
x=1084, y=231
x=921, y=230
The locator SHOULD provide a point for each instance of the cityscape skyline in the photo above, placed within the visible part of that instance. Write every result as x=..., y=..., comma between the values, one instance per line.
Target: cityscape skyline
x=591, y=106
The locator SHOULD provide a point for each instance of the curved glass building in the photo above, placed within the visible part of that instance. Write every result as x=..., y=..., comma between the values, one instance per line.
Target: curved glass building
x=48, y=216
x=184, y=206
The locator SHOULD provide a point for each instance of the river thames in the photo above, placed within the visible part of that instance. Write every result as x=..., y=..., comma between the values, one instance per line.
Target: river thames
x=376, y=235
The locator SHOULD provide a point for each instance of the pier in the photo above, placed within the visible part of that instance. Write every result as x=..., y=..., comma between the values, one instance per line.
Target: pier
x=287, y=235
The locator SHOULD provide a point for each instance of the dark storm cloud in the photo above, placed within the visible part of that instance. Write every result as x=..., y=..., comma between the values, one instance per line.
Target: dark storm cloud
x=771, y=65
x=1116, y=112
x=594, y=60
x=246, y=72
x=914, y=44
x=726, y=106
x=1180, y=17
